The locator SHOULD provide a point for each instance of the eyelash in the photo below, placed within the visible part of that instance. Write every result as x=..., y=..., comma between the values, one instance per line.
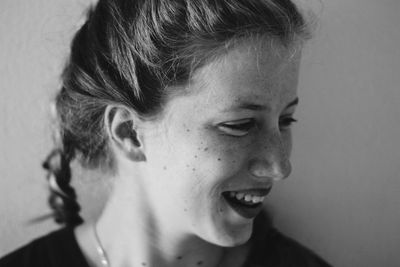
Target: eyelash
x=237, y=128
x=242, y=127
x=286, y=122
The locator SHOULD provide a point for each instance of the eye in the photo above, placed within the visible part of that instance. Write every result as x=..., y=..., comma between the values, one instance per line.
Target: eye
x=237, y=128
x=286, y=122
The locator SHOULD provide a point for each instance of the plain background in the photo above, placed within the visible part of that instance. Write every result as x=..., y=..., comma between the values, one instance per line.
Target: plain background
x=343, y=197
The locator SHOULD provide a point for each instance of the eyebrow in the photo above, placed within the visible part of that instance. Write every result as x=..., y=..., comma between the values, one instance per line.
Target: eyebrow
x=257, y=107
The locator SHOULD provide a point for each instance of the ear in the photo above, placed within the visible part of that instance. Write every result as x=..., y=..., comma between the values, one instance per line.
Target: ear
x=122, y=127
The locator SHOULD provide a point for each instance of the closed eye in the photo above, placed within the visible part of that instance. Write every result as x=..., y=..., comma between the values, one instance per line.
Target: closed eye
x=286, y=122
x=237, y=128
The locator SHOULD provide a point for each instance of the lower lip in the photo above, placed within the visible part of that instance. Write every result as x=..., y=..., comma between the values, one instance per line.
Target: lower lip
x=248, y=212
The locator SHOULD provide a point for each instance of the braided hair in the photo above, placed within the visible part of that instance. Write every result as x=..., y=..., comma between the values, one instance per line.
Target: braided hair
x=135, y=53
x=62, y=199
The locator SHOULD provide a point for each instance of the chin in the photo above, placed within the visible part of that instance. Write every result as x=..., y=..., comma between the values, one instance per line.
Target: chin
x=231, y=236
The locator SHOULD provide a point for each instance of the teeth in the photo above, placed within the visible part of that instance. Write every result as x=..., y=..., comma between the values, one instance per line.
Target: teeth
x=258, y=199
x=239, y=196
x=247, y=197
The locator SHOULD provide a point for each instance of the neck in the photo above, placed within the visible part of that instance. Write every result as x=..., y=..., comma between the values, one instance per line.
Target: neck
x=133, y=236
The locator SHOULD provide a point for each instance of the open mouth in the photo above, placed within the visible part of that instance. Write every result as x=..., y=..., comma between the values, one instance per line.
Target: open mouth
x=247, y=203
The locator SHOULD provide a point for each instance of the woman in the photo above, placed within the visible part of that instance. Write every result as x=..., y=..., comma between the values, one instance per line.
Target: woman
x=187, y=107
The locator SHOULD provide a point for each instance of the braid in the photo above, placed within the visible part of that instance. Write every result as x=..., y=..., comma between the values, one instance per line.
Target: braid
x=62, y=197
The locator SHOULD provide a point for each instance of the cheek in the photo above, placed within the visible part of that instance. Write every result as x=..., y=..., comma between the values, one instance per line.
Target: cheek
x=216, y=159
x=199, y=160
x=231, y=153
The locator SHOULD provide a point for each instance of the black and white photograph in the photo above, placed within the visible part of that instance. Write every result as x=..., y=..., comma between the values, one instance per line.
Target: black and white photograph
x=199, y=133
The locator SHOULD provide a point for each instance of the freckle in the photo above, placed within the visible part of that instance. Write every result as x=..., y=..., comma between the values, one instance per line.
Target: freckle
x=185, y=210
x=205, y=149
x=179, y=257
x=187, y=130
x=219, y=159
x=195, y=156
x=144, y=264
x=193, y=169
x=165, y=167
x=199, y=262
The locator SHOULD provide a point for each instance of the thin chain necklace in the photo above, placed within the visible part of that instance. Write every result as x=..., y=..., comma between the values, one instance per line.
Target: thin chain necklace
x=100, y=250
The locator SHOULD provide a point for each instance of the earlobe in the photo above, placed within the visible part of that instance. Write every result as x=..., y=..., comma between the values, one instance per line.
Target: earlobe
x=122, y=128
x=133, y=152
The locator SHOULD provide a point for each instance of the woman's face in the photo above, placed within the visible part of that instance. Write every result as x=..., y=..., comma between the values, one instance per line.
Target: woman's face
x=214, y=154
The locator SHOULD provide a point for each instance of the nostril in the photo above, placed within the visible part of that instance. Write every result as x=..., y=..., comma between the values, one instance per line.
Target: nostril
x=260, y=168
x=260, y=172
x=275, y=170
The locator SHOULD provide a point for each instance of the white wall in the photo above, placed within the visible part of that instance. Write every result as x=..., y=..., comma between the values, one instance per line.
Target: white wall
x=34, y=37
x=343, y=198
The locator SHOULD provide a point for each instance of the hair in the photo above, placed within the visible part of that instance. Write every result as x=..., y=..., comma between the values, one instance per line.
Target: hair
x=131, y=52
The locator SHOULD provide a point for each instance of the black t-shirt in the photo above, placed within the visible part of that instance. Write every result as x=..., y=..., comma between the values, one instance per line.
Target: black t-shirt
x=60, y=249
x=57, y=249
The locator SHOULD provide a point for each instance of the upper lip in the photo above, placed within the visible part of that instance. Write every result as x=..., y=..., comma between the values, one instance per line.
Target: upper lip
x=253, y=191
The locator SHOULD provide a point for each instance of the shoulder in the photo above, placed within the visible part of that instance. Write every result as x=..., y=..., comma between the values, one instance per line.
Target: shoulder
x=53, y=249
x=272, y=248
x=277, y=250
x=288, y=252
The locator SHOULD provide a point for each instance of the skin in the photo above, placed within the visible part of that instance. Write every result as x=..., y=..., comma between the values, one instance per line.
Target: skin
x=230, y=131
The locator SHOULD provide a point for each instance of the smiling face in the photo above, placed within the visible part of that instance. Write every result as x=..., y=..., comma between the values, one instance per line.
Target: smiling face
x=215, y=152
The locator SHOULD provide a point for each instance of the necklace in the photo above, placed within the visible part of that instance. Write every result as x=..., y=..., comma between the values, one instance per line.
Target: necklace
x=100, y=250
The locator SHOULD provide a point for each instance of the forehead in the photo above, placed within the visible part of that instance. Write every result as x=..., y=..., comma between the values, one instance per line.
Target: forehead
x=254, y=73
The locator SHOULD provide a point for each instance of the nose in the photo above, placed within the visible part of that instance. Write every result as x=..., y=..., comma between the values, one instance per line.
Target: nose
x=274, y=169
x=271, y=160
